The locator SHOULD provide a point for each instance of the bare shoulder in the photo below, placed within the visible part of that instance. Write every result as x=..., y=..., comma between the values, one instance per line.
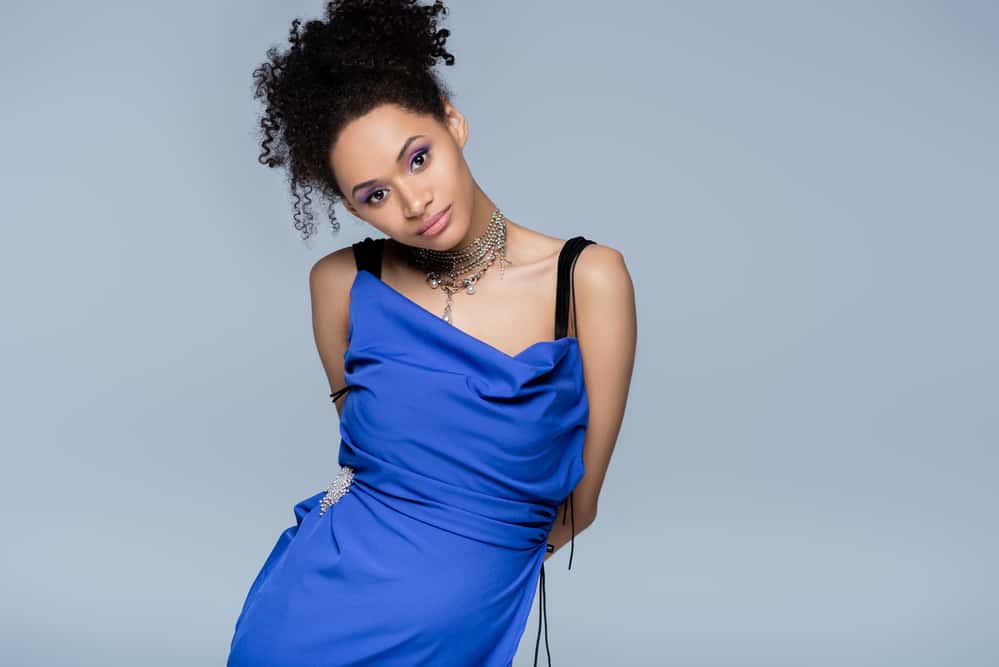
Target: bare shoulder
x=329, y=286
x=601, y=273
x=605, y=308
x=333, y=270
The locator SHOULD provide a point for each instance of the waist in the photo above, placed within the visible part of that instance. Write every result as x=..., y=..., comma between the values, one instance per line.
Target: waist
x=520, y=524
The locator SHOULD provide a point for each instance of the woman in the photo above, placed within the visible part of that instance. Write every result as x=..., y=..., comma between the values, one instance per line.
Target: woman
x=465, y=425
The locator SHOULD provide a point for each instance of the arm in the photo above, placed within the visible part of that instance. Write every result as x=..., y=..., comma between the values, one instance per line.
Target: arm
x=608, y=333
x=329, y=287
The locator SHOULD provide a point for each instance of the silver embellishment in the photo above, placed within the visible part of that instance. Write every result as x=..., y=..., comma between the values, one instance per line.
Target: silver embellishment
x=338, y=487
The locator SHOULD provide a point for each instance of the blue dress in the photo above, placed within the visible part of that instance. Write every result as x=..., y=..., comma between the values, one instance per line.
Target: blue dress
x=455, y=458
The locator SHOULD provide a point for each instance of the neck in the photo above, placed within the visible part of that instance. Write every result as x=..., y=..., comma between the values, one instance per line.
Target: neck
x=482, y=211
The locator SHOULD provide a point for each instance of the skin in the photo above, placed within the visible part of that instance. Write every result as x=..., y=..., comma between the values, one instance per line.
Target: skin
x=406, y=193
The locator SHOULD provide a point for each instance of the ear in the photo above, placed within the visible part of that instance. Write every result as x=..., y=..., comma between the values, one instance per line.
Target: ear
x=457, y=124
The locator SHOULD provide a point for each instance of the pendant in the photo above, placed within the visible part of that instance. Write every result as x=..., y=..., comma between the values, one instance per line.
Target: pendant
x=447, y=313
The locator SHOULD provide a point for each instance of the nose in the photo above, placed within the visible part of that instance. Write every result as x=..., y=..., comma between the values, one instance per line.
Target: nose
x=415, y=202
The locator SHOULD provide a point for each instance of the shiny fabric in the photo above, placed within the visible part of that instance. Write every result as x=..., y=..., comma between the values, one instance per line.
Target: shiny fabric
x=462, y=455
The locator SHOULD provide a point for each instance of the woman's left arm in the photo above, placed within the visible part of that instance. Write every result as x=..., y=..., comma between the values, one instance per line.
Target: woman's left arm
x=608, y=336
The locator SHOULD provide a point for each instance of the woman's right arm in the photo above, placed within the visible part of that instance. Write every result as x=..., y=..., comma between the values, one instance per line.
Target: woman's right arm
x=329, y=286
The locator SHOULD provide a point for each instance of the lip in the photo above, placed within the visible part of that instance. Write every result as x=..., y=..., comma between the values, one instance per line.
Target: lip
x=437, y=222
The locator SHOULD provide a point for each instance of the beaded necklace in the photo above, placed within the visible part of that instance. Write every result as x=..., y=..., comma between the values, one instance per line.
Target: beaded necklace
x=444, y=267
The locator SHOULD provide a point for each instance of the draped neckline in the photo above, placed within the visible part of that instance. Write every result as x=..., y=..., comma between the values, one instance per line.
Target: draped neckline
x=364, y=276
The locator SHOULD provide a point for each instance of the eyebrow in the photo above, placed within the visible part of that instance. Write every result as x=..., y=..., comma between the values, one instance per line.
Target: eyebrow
x=402, y=151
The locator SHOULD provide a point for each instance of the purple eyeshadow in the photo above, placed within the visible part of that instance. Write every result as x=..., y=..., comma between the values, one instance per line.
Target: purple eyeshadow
x=418, y=150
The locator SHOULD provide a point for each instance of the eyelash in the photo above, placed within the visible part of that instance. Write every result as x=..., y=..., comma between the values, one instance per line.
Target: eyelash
x=421, y=152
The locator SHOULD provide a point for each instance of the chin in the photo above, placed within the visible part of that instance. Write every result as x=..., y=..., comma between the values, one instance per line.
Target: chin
x=453, y=236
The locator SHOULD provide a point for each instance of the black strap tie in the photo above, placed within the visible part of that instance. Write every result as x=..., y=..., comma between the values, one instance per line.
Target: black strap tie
x=542, y=596
x=340, y=392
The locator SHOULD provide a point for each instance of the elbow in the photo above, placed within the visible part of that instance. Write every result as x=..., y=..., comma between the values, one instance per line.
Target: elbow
x=585, y=518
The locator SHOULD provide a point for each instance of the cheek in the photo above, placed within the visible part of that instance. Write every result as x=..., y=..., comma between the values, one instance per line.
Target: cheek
x=454, y=184
x=450, y=165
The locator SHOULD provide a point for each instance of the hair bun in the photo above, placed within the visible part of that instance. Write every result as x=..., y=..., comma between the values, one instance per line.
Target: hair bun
x=385, y=35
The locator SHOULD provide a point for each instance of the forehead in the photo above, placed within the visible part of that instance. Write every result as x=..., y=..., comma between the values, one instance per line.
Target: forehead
x=372, y=141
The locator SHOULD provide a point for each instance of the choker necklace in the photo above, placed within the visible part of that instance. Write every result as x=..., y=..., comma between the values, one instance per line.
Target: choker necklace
x=445, y=266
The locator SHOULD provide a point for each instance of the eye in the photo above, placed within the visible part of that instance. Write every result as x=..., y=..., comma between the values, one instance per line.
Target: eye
x=421, y=155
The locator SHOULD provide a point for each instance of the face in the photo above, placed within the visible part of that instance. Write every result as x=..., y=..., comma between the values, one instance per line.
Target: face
x=397, y=170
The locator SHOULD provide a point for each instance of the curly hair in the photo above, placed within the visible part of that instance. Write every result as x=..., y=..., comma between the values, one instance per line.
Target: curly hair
x=364, y=54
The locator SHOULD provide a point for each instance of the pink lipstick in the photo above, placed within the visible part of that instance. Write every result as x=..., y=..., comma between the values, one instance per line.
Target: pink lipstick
x=436, y=224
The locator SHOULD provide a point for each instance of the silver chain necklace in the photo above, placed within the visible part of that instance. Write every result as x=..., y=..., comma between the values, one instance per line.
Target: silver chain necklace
x=445, y=266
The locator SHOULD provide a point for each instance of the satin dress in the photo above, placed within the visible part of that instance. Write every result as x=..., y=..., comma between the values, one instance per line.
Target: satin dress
x=460, y=455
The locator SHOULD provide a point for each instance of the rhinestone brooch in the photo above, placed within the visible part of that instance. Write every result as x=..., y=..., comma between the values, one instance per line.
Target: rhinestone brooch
x=338, y=487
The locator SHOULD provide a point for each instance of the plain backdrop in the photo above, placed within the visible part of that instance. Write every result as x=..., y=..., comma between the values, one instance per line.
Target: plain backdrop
x=804, y=193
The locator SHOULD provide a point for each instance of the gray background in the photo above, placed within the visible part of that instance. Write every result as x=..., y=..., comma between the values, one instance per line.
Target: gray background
x=804, y=194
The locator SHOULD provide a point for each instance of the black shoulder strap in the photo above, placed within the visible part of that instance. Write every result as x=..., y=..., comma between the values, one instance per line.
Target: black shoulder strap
x=368, y=255
x=564, y=289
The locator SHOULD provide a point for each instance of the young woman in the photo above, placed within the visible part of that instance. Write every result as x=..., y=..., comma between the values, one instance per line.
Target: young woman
x=480, y=369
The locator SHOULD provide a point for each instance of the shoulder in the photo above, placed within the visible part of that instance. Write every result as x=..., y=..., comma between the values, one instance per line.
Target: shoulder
x=601, y=272
x=607, y=318
x=330, y=281
x=333, y=272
